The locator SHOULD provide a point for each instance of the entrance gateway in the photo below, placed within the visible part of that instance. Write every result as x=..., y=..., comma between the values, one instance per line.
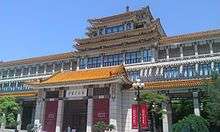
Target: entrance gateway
x=77, y=100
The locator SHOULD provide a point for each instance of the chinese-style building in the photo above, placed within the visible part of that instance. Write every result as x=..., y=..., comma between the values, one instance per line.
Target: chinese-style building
x=93, y=83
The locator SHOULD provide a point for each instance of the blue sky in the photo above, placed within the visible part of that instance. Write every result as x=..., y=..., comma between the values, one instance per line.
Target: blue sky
x=30, y=28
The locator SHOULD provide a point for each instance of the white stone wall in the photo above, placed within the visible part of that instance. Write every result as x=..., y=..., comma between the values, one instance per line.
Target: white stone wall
x=127, y=101
x=115, y=113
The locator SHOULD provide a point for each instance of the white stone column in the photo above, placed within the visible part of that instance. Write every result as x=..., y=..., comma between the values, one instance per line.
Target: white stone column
x=167, y=53
x=167, y=116
x=196, y=49
x=77, y=64
x=39, y=110
x=150, y=70
x=19, y=121
x=59, y=121
x=196, y=103
x=124, y=52
x=115, y=114
x=161, y=71
x=211, y=47
x=53, y=67
x=89, y=115
x=3, y=125
x=60, y=109
x=181, y=69
x=181, y=51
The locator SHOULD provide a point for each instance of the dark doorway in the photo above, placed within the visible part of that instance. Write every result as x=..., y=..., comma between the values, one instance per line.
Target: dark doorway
x=75, y=115
x=28, y=110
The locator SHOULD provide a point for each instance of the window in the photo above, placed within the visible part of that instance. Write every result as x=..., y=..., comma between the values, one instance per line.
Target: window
x=133, y=57
x=11, y=73
x=114, y=29
x=189, y=70
x=5, y=86
x=41, y=69
x=25, y=71
x=147, y=55
x=205, y=69
x=18, y=72
x=171, y=72
x=58, y=66
x=33, y=70
x=66, y=65
x=110, y=60
x=128, y=26
x=1, y=87
x=217, y=67
x=49, y=68
x=82, y=63
x=94, y=62
x=4, y=74
x=134, y=75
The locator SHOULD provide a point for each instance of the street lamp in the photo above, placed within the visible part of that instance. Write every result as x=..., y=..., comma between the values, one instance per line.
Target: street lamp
x=138, y=86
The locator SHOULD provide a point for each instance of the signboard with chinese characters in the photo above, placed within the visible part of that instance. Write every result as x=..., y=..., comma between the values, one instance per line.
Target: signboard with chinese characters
x=76, y=93
x=143, y=115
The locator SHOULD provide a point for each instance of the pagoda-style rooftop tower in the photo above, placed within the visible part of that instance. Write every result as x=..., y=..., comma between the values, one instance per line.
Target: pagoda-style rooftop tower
x=120, y=32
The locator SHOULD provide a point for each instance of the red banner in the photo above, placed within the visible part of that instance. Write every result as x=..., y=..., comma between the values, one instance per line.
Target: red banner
x=143, y=116
x=101, y=110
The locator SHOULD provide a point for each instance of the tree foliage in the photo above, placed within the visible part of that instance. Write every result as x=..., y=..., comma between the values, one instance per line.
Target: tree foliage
x=211, y=101
x=155, y=100
x=8, y=111
x=191, y=123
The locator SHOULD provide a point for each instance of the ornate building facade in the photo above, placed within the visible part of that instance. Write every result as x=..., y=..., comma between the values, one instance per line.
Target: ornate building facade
x=94, y=83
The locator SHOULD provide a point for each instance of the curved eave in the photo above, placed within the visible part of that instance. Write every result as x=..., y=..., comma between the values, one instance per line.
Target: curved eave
x=176, y=84
x=117, y=79
x=20, y=94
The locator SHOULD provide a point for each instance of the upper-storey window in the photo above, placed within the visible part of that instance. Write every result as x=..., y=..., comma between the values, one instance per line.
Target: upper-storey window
x=18, y=72
x=110, y=60
x=188, y=50
x=133, y=57
x=49, y=68
x=147, y=55
x=4, y=74
x=11, y=73
x=41, y=69
x=217, y=67
x=94, y=62
x=66, y=65
x=189, y=70
x=203, y=48
x=33, y=70
x=171, y=72
x=58, y=66
x=134, y=75
x=128, y=26
x=216, y=47
x=25, y=71
x=82, y=63
x=114, y=29
x=205, y=69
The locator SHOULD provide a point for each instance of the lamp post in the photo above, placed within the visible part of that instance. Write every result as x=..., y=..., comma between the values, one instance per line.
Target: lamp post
x=138, y=86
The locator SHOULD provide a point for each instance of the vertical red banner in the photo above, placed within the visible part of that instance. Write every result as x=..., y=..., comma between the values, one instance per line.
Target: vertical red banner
x=134, y=108
x=143, y=115
x=101, y=110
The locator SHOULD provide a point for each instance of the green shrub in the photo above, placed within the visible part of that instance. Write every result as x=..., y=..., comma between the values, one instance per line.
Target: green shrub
x=191, y=123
